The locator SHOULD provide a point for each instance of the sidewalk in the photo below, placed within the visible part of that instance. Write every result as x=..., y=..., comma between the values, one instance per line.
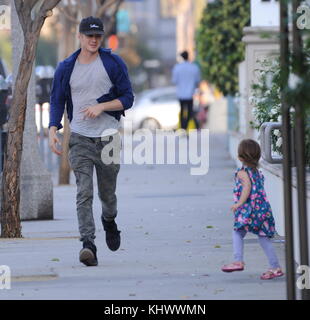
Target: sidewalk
x=176, y=234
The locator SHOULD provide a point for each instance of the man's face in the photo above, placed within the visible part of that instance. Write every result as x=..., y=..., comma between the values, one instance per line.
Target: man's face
x=90, y=43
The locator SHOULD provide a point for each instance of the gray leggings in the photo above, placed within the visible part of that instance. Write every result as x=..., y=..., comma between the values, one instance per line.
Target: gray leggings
x=265, y=243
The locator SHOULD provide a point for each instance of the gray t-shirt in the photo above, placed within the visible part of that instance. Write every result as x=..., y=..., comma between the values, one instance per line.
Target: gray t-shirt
x=89, y=82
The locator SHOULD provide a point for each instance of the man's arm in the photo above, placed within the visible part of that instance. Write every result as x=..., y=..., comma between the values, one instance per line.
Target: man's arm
x=58, y=99
x=96, y=110
x=124, y=88
x=53, y=140
x=57, y=107
x=125, y=99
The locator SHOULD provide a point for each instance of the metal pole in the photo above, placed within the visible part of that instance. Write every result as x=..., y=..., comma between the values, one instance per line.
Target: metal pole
x=299, y=69
x=286, y=134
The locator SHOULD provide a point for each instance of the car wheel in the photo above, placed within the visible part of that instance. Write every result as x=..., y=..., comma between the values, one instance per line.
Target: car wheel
x=150, y=123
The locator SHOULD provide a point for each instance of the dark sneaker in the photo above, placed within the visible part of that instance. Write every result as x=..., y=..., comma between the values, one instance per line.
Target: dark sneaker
x=88, y=255
x=112, y=235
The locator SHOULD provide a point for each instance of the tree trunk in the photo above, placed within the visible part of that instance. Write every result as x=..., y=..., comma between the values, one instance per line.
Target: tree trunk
x=10, y=218
x=68, y=42
x=64, y=168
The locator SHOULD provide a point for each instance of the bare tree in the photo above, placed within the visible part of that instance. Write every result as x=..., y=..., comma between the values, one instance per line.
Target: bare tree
x=69, y=12
x=31, y=14
x=107, y=10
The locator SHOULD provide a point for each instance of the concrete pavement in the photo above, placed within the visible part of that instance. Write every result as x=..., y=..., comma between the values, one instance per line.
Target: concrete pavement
x=176, y=234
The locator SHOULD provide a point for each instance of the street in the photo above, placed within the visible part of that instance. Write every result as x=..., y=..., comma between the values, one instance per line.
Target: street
x=176, y=235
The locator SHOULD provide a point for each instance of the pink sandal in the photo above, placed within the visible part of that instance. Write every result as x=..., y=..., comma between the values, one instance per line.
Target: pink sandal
x=272, y=273
x=234, y=266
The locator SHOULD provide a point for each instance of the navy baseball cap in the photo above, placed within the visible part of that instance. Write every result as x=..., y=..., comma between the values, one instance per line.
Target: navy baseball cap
x=91, y=26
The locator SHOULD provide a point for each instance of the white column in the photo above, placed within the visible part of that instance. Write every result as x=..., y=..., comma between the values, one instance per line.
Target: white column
x=36, y=183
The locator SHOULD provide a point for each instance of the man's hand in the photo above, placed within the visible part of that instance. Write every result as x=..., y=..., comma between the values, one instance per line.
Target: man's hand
x=53, y=140
x=92, y=111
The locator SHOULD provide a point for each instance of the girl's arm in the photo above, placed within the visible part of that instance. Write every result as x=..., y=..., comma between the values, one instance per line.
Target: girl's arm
x=246, y=189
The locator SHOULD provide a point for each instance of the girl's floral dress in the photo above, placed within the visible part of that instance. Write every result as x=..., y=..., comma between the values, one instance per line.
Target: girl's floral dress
x=255, y=215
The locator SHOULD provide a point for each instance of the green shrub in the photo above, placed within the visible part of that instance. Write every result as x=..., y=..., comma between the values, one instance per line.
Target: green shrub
x=267, y=105
x=219, y=42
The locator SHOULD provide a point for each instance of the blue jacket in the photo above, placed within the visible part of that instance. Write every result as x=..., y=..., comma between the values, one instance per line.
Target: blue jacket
x=61, y=91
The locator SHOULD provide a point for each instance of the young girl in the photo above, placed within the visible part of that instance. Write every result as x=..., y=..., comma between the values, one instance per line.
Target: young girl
x=252, y=210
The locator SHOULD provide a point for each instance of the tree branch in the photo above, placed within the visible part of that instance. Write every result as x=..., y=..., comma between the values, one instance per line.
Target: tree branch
x=44, y=11
x=18, y=5
x=79, y=6
x=36, y=8
x=104, y=7
x=47, y=6
x=119, y=2
x=98, y=3
x=31, y=3
x=67, y=15
x=112, y=18
x=22, y=13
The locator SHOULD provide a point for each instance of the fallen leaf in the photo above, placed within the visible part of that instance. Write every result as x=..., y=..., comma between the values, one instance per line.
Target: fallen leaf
x=216, y=291
x=55, y=259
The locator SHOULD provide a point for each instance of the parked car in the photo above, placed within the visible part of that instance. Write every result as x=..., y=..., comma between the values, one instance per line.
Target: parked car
x=155, y=109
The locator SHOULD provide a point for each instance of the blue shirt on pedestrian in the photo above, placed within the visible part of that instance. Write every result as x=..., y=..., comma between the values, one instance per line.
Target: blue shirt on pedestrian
x=186, y=76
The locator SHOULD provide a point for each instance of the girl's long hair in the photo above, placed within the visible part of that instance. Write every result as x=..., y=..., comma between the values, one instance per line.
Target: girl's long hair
x=249, y=153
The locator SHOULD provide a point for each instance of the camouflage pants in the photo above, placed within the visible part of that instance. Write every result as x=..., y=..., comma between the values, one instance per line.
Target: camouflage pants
x=84, y=155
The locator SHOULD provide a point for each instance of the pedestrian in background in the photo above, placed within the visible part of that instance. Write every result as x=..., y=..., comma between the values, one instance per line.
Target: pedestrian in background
x=205, y=99
x=94, y=85
x=252, y=210
x=186, y=77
